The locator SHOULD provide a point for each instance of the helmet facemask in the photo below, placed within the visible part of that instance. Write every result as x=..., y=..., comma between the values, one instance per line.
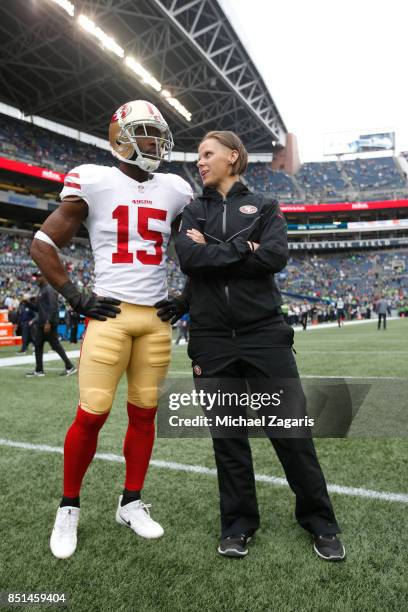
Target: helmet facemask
x=148, y=162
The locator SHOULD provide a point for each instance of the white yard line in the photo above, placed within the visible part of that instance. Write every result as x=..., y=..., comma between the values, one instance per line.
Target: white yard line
x=184, y=373
x=199, y=469
x=350, y=352
x=187, y=373
x=311, y=327
x=26, y=359
x=29, y=359
x=49, y=369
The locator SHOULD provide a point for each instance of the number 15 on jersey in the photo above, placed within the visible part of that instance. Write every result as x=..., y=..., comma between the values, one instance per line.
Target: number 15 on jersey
x=123, y=255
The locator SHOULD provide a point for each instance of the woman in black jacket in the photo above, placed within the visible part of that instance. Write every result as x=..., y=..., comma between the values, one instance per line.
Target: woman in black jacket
x=230, y=244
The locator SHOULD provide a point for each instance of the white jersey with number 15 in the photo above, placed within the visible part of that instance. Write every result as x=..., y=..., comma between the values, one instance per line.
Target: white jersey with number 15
x=129, y=225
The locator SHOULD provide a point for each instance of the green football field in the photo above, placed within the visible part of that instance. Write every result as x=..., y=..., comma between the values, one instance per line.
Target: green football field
x=113, y=569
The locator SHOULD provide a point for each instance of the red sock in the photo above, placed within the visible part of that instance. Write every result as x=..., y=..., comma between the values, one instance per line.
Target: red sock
x=138, y=445
x=79, y=448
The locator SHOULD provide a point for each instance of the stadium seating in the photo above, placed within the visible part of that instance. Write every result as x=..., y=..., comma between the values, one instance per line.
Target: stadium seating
x=369, y=178
x=355, y=276
x=32, y=144
x=29, y=143
x=260, y=177
x=17, y=267
x=325, y=178
x=369, y=174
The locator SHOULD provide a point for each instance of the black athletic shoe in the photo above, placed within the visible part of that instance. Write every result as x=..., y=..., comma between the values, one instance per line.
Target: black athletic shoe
x=38, y=373
x=234, y=546
x=329, y=547
x=69, y=371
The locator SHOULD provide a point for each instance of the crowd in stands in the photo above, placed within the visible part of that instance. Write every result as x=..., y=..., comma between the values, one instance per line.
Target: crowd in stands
x=29, y=143
x=17, y=268
x=374, y=174
x=342, y=179
x=314, y=182
x=359, y=278
x=325, y=178
x=32, y=144
x=260, y=177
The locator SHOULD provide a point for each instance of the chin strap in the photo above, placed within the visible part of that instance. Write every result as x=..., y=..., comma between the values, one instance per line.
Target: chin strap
x=148, y=165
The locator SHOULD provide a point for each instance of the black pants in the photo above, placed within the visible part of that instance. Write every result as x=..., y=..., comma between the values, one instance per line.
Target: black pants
x=26, y=335
x=252, y=357
x=73, y=333
x=52, y=338
x=183, y=333
x=383, y=317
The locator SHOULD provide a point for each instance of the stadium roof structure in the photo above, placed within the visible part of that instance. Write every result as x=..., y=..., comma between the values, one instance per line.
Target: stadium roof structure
x=50, y=67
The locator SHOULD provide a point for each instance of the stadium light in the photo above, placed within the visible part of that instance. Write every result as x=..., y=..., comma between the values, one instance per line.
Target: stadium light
x=107, y=41
x=176, y=104
x=142, y=73
x=66, y=5
x=179, y=107
x=149, y=79
x=110, y=44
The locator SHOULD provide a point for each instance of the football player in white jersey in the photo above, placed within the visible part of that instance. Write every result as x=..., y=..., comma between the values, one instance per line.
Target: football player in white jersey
x=128, y=211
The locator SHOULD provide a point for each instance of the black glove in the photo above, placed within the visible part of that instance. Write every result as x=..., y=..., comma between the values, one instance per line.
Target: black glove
x=90, y=305
x=172, y=309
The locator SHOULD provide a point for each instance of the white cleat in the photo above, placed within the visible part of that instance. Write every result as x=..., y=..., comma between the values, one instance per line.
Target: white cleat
x=136, y=515
x=63, y=540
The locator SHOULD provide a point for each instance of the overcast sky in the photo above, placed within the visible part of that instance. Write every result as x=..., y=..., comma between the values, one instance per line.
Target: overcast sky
x=346, y=70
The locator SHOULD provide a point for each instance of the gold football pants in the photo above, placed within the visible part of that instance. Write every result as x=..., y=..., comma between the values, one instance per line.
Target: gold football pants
x=137, y=342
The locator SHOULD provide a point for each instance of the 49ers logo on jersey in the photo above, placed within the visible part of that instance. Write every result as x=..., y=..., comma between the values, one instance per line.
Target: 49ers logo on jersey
x=248, y=209
x=121, y=113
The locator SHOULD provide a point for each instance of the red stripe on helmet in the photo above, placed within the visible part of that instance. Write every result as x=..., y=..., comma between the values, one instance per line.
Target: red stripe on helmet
x=71, y=184
x=153, y=112
x=150, y=108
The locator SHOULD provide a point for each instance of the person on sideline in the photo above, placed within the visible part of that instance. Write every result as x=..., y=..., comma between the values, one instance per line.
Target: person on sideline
x=47, y=328
x=230, y=244
x=382, y=308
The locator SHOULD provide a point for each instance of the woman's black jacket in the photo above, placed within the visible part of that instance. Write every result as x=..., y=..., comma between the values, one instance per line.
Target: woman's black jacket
x=232, y=289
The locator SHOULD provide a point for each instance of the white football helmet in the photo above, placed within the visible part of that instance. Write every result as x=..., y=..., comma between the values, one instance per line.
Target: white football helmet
x=123, y=137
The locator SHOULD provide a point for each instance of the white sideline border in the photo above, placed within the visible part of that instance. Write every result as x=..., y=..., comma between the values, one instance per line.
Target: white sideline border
x=311, y=326
x=199, y=469
x=29, y=359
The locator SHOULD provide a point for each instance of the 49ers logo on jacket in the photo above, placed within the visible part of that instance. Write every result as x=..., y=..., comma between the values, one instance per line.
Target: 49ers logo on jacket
x=248, y=209
x=121, y=113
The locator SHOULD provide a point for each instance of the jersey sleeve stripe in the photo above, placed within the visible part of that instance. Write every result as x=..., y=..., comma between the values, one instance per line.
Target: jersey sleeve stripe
x=73, y=174
x=73, y=185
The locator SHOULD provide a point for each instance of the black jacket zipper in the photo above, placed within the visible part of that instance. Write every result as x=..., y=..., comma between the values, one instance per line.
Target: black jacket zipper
x=226, y=288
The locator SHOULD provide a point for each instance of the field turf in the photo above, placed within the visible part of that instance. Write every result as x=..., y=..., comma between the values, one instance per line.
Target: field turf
x=114, y=570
